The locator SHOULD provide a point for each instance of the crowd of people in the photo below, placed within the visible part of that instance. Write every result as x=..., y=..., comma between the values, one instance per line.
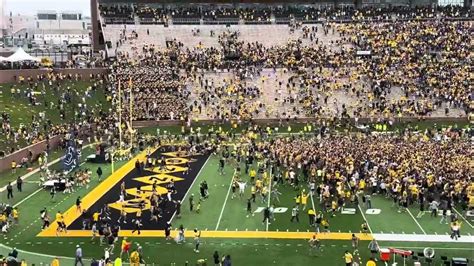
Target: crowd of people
x=68, y=113
x=125, y=13
x=410, y=168
x=413, y=68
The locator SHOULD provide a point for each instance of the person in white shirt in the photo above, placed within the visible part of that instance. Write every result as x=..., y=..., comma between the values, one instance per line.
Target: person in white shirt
x=455, y=228
x=242, y=186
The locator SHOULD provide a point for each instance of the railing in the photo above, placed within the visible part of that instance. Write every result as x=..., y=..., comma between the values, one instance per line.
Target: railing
x=221, y=21
x=269, y=121
x=186, y=21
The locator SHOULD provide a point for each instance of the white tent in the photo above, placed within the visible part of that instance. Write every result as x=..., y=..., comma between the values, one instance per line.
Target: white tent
x=21, y=55
x=3, y=59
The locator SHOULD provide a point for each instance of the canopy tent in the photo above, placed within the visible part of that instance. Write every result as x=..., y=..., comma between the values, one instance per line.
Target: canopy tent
x=3, y=59
x=21, y=55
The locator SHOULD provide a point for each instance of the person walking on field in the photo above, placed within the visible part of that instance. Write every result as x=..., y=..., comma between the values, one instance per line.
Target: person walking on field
x=314, y=245
x=19, y=184
x=9, y=191
x=348, y=259
x=78, y=259
x=99, y=172
x=295, y=214
x=455, y=228
x=197, y=240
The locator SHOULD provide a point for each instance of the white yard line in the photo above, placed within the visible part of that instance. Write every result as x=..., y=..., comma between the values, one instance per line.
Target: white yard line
x=61, y=258
x=417, y=223
x=269, y=193
x=405, y=238
x=34, y=193
x=363, y=216
x=435, y=248
x=27, y=198
x=361, y=211
x=312, y=201
x=462, y=216
x=225, y=201
x=39, y=254
x=192, y=184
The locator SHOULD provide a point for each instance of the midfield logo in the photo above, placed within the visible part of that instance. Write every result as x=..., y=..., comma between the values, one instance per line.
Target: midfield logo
x=154, y=184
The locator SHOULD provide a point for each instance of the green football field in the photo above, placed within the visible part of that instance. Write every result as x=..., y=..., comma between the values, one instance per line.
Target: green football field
x=244, y=237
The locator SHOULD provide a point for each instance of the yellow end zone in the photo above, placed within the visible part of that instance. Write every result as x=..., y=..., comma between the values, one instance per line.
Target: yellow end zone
x=228, y=234
x=72, y=214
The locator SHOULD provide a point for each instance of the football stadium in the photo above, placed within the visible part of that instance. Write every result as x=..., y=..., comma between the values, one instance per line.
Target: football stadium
x=148, y=132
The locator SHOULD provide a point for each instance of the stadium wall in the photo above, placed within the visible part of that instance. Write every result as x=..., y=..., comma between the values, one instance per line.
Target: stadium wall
x=36, y=149
x=152, y=123
x=11, y=75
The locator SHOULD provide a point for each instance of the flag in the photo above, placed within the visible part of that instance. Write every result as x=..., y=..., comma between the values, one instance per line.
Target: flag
x=71, y=157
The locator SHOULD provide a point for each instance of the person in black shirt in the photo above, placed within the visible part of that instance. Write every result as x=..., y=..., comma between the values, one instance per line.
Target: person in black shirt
x=138, y=166
x=19, y=184
x=52, y=192
x=78, y=204
x=216, y=258
x=138, y=226
x=168, y=230
x=206, y=189
x=266, y=215
x=9, y=191
x=202, y=189
x=221, y=165
x=45, y=217
x=191, y=202
x=111, y=242
x=178, y=209
x=99, y=172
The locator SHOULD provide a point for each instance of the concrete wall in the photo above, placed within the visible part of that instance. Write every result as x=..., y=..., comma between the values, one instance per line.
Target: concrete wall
x=10, y=75
x=151, y=123
x=36, y=149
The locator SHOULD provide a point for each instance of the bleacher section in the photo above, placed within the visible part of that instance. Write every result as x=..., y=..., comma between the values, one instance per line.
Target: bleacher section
x=191, y=15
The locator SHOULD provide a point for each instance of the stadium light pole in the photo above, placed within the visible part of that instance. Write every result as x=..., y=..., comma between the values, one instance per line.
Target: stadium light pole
x=120, y=114
x=112, y=160
x=131, y=113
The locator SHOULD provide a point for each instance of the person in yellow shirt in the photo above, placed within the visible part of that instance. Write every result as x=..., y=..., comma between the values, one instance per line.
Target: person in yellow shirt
x=3, y=218
x=55, y=262
x=304, y=199
x=15, y=214
x=61, y=224
x=253, y=190
x=298, y=200
x=361, y=185
x=264, y=194
x=371, y=262
x=13, y=164
x=348, y=258
x=134, y=258
x=252, y=174
x=118, y=261
x=95, y=217
x=333, y=208
x=325, y=224
x=312, y=216
x=258, y=185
